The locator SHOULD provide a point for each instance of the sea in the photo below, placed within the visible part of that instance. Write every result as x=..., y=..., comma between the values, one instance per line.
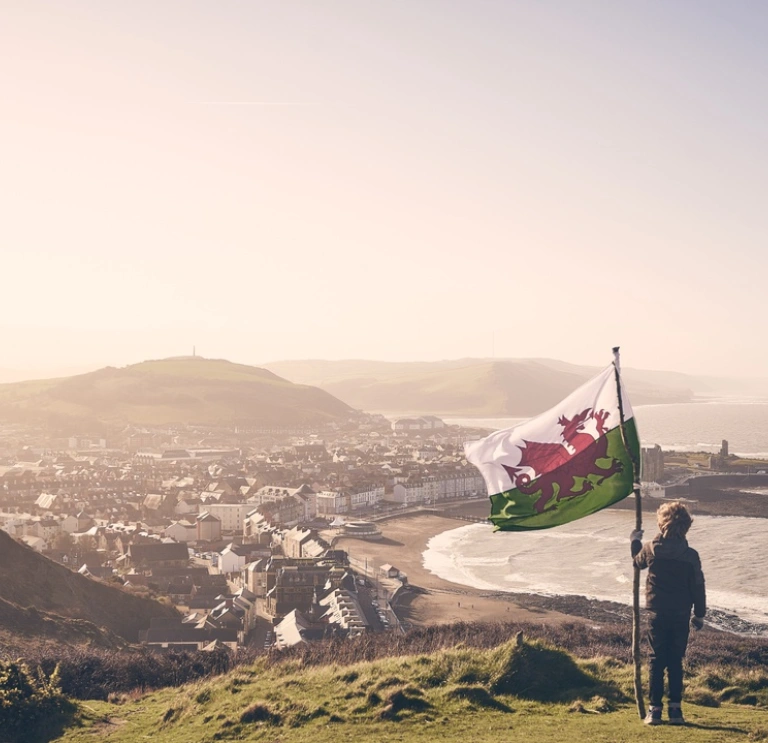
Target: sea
x=697, y=426
x=590, y=557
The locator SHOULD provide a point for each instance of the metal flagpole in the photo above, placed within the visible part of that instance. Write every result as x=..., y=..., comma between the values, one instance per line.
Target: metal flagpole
x=638, y=526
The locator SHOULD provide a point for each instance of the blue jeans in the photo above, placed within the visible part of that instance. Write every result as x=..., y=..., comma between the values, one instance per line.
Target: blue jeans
x=668, y=638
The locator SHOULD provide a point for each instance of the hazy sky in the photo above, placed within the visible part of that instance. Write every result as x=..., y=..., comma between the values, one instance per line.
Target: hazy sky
x=390, y=179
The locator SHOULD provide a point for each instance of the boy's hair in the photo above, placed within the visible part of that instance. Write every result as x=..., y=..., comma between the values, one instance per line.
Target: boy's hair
x=674, y=520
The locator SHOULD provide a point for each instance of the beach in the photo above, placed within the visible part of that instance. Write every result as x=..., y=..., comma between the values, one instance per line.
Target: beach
x=736, y=605
x=431, y=599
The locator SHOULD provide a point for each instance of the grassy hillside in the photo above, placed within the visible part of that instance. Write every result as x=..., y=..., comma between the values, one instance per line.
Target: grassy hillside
x=471, y=387
x=515, y=692
x=22, y=628
x=189, y=390
x=40, y=598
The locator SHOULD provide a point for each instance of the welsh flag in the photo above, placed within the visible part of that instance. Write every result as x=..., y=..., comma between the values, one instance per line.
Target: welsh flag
x=564, y=464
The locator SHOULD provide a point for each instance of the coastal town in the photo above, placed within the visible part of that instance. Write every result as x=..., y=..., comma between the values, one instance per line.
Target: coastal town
x=252, y=535
x=236, y=529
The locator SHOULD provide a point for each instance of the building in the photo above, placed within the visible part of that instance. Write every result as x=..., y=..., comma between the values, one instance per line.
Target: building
x=208, y=527
x=361, y=530
x=294, y=541
x=277, y=493
x=652, y=467
x=465, y=484
x=154, y=555
x=289, y=583
x=343, y=610
x=77, y=523
x=293, y=587
x=230, y=515
x=167, y=634
x=297, y=627
x=415, y=492
x=232, y=558
x=331, y=503
x=389, y=571
x=182, y=531
x=365, y=496
x=45, y=528
x=424, y=423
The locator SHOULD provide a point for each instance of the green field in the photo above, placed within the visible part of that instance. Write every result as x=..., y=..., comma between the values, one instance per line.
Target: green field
x=529, y=692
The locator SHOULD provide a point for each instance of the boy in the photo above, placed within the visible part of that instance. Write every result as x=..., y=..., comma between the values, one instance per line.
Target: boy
x=675, y=584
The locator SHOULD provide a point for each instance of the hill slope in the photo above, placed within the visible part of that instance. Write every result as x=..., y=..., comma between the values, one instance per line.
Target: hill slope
x=514, y=693
x=39, y=596
x=468, y=387
x=188, y=390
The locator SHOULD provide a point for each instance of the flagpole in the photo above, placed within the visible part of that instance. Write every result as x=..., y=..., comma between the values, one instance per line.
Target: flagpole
x=638, y=526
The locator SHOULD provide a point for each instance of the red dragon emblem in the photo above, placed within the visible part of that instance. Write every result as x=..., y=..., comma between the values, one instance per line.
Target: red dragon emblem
x=564, y=470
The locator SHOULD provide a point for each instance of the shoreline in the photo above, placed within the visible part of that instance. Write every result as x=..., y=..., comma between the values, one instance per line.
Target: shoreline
x=430, y=599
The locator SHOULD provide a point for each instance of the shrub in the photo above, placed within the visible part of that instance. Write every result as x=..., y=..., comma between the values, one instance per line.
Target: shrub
x=31, y=705
x=88, y=673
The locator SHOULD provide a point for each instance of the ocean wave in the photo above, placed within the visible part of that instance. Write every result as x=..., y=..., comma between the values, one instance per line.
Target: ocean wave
x=596, y=564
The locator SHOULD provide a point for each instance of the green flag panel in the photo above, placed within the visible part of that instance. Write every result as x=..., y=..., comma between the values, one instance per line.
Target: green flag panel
x=592, y=480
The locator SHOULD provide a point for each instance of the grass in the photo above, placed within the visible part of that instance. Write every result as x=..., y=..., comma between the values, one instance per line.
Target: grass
x=88, y=672
x=531, y=692
x=168, y=391
x=716, y=684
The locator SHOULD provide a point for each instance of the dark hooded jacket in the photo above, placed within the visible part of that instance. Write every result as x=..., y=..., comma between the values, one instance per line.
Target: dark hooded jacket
x=675, y=581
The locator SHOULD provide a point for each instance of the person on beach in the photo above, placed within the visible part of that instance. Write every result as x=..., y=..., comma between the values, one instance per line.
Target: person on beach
x=675, y=584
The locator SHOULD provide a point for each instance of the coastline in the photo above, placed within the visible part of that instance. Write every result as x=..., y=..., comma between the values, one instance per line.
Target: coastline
x=434, y=600
x=431, y=600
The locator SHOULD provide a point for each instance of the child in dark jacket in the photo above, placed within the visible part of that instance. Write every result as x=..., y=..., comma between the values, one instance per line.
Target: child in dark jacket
x=675, y=584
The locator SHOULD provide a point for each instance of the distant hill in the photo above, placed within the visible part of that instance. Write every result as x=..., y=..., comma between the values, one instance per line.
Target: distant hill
x=469, y=387
x=187, y=390
x=39, y=597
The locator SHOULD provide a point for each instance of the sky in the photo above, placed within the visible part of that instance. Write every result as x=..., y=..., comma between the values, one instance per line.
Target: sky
x=384, y=179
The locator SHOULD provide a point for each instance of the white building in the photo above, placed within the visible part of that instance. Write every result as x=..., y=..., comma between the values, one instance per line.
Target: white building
x=332, y=502
x=309, y=498
x=44, y=528
x=462, y=485
x=413, y=492
x=275, y=493
x=231, y=515
x=343, y=608
x=231, y=560
x=365, y=497
x=181, y=531
x=424, y=423
x=79, y=522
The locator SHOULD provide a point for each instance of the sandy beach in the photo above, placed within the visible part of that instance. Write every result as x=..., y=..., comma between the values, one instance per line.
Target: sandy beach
x=433, y=600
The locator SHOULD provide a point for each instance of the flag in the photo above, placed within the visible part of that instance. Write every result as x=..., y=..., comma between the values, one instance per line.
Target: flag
x=564, y=464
